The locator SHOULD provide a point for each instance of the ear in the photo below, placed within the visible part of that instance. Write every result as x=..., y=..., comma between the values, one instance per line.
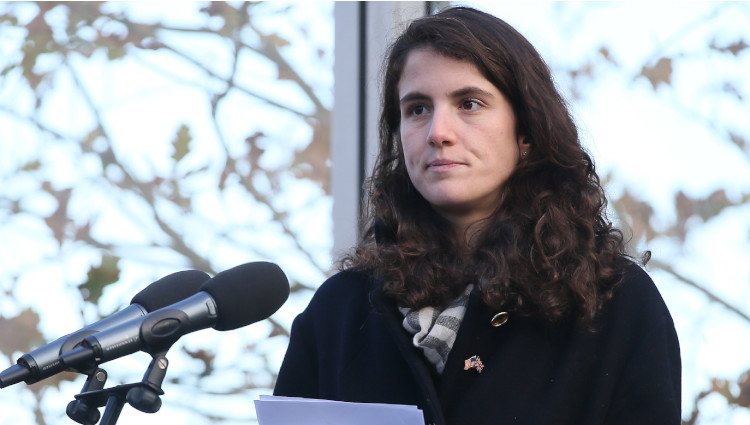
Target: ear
x=523, y=145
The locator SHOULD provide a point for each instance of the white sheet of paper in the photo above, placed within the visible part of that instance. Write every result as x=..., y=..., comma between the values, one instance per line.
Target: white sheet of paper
x=276, y=410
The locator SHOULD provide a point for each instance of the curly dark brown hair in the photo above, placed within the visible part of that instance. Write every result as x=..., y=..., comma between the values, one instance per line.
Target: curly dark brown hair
x=548, y=250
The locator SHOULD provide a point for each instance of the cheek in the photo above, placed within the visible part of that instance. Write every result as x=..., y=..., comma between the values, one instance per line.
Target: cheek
x=410, y=163
x=408, y=147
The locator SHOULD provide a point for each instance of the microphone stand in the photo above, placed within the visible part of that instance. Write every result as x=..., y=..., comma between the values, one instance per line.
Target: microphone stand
x=82, y=410
x=143, y=395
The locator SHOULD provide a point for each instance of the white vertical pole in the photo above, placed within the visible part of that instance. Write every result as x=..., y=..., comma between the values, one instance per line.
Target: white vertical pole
x=364, y=30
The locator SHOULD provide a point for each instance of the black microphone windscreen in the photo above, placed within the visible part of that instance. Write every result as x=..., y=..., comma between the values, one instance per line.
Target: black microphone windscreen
x=170, y=289
x=247, y=293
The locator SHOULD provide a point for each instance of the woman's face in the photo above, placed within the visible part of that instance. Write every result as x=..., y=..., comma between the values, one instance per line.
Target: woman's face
x=458, y=135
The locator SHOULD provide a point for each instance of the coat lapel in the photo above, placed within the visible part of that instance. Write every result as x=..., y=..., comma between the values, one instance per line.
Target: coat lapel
x=417, y=363
x=476, y=337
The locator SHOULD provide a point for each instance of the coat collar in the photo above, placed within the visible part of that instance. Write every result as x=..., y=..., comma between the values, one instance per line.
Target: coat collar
x=476, y=337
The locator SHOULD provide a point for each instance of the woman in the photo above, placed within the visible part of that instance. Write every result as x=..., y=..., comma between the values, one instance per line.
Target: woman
x=489, y=286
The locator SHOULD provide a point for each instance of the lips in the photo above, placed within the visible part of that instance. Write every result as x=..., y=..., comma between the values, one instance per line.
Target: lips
x=443, y=163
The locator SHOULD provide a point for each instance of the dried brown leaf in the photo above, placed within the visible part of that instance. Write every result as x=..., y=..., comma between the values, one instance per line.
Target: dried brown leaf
x=115, y=52
x=58, y=221
x=607, y=55
x=738, y=140
x=733, y=48
x=705, y=208
x=9, y=19
x=276, y=40
x=32, y=165
x=744, y=384
x=83, y=233
x=586, y=70
x=658, y=73
x=20, y=333
x=636, y=214
x=99, y=277
x=181, y=143
x=256, y=151
x=217, y=8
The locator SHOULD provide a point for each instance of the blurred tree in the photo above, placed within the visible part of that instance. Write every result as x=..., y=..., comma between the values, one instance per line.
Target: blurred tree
x=698, y=73
x=137, y=140
x=140, y=139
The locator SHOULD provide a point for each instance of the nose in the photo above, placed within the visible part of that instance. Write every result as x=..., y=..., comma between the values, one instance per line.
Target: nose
x=442, y=128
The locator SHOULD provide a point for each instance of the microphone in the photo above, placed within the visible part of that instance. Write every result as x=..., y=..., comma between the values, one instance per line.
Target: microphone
x=232, y=299
x=44, y=361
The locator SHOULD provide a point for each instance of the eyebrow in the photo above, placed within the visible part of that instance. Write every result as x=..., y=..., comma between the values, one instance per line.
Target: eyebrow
x=462, y=92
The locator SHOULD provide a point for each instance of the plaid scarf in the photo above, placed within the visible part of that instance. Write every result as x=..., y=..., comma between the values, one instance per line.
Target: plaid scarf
x=434, y=330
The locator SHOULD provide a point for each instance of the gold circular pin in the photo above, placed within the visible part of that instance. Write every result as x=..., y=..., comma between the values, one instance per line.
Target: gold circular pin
x=499, y=319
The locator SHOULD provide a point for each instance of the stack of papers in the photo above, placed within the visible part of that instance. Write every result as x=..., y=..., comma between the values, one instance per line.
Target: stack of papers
x=276, y=410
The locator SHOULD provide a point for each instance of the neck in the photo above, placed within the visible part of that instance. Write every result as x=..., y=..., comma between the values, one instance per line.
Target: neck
x=467, y=225
x=467, y=232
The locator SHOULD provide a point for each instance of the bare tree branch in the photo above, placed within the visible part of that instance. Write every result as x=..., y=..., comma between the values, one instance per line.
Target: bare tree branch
x=145, y=190
x=233, y=85
x=700, y=288
x=692, y=420
x=270, y=51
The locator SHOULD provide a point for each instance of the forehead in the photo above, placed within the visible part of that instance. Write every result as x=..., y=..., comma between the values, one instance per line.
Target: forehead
x=425, y=69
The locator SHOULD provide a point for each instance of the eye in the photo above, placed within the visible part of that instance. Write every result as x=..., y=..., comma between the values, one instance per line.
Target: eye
x=418, y=110
x=470, y=105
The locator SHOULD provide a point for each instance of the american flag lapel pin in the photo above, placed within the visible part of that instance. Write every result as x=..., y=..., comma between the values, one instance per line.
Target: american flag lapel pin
x=474, y=362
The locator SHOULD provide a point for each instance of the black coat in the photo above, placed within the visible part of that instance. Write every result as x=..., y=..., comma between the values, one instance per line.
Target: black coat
x=349, y=345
